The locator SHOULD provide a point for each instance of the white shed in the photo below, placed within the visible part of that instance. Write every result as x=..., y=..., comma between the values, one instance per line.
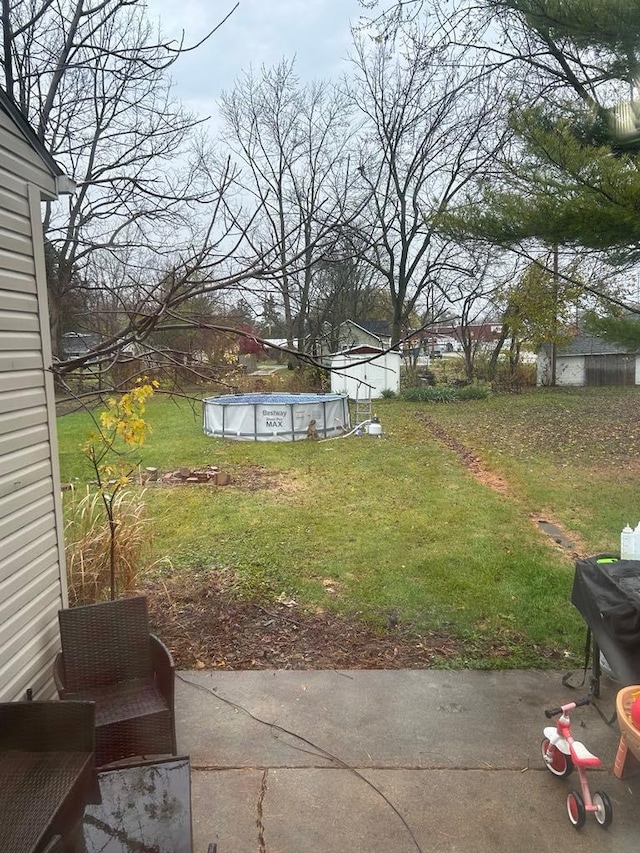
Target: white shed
x=365, y=371
x=32, y=568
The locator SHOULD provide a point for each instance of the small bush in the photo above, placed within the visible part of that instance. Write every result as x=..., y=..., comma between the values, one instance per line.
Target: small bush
x=442, y=394
x=445, y=394
x=416, y=377
x=388, y=393
x=512, y=380
x=473, y=392
x=298, y=380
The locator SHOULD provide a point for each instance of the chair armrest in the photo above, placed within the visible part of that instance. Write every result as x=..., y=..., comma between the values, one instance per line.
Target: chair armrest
x=54, y=846
x=46, y=726
x=164, y=670
x=58, y=678
x=58, y=674
x=163, y=666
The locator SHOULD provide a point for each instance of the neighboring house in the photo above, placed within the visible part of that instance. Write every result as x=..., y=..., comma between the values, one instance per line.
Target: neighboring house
x=478, y=332
x=589, y=361
x=32, y=569
x=77, y=344
x=372, y=333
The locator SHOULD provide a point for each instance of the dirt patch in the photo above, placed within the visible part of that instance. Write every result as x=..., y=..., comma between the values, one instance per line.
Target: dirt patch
x=207, y=627
x=468, y=457
x=248, y=478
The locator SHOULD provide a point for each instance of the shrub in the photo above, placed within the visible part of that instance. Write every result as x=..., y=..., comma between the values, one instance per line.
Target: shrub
x=441, y=394
x=473, y=392
x=445, y=394
x=388, y=393
x=416, y=377
x=514, y=379
x=88, y=545
x=298, y=380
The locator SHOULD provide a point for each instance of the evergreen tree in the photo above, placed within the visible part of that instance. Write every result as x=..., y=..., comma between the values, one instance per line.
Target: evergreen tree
x=574, y=177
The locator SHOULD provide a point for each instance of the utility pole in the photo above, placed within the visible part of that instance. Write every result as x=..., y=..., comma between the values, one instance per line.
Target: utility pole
x=555, y=315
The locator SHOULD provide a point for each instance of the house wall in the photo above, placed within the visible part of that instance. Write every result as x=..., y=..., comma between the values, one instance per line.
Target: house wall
x=32, y=582
x=570, y=370
x=352, y=335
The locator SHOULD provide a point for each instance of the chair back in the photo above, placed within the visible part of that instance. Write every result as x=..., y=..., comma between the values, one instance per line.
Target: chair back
x=105, y=643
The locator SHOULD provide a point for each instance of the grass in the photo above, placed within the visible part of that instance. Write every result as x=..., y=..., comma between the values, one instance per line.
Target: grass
x=371, y=526
x=572, y=453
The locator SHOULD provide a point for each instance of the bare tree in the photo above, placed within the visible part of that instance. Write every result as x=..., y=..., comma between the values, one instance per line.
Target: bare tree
x=428, y=132
x=475, y=299
x=290, y=142
x=388, y=20
x=348, y=289
x=93, y=79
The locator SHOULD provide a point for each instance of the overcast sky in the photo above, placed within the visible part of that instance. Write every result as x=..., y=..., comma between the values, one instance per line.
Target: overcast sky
x=316, y=32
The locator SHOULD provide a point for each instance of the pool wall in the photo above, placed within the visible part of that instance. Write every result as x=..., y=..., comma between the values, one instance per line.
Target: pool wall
x=275, y=417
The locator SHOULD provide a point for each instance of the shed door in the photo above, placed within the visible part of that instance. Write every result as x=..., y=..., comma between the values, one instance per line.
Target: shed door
x=612, y=369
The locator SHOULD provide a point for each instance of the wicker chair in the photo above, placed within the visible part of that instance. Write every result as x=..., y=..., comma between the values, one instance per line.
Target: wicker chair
x=110, y=657
x=47, y=775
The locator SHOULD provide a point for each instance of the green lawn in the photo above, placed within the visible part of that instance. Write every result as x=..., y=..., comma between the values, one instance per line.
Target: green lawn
x=372, y=525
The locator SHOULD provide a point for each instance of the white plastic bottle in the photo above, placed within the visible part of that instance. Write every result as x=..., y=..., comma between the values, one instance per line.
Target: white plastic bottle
x=627, y=543
x=636, y=543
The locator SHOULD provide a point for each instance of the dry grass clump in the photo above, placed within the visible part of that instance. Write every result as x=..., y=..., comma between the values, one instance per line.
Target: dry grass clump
x=88, y=545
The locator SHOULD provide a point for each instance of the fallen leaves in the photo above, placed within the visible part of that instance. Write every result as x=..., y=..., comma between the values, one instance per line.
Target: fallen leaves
x=205, y=628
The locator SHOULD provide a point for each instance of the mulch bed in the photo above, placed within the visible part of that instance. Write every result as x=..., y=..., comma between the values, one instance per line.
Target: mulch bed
x=205, y=628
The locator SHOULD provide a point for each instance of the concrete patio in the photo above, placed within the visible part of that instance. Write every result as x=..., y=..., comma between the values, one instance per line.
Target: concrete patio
x=411, y=761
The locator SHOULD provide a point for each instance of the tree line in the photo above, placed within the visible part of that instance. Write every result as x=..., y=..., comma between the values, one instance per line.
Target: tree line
x=477, y=160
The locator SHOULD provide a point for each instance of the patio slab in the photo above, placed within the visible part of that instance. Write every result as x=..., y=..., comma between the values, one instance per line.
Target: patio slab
x=455, y=754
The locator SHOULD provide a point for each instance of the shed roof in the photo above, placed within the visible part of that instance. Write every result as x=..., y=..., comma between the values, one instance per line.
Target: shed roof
x=361, y=349
x=586, y=344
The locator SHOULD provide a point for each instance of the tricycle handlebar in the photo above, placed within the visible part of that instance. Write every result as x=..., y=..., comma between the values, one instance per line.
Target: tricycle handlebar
x=553, y=712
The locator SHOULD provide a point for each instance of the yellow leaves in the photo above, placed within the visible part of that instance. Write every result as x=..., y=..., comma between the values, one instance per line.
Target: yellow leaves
x=124, y=418
x=122, y=421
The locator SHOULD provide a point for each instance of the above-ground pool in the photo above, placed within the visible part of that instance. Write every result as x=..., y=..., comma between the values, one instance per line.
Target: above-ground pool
x=275, y=417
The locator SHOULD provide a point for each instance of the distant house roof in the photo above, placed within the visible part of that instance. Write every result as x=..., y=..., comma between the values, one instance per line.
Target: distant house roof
x=78, y=343
x=586, y=344
x=375, y=327
x=486, y=331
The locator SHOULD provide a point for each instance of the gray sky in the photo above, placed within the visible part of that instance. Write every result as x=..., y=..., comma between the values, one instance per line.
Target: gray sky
x=259, y=32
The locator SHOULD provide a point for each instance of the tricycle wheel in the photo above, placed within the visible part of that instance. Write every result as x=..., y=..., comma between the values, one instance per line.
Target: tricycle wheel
x=555, y=760
x=575, y=809
x=604, y=814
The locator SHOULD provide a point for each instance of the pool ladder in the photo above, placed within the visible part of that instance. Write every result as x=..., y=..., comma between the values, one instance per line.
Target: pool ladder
x=363, y=405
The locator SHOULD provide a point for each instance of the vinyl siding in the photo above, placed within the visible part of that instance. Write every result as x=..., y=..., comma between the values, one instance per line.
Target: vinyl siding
x=20, y=162
x=32, y=586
